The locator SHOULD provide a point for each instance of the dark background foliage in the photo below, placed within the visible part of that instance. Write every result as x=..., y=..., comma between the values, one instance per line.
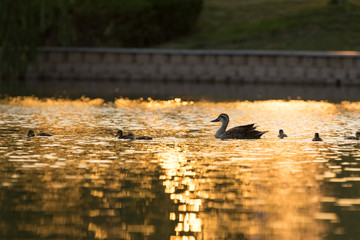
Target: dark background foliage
x=139, y=23
x=27, y=24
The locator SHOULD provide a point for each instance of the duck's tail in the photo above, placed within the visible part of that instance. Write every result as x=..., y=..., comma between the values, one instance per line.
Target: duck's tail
x=259, y=134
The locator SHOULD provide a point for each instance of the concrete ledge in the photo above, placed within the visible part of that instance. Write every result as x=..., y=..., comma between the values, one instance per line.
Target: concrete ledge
x=278, y=67
x=348, y=54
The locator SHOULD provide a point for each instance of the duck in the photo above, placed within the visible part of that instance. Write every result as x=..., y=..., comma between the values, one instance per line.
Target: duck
x=31, y=133
x=239, y=132
x=281, y=134
x=131, y=136
x=357, y=136
x=317, y=137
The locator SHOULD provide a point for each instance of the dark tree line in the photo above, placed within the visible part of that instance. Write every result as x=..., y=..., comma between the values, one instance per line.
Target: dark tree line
x=28, y=24
x=21, y=25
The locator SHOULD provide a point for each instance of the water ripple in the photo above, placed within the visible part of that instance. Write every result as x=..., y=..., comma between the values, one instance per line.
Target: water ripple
x=185, y=184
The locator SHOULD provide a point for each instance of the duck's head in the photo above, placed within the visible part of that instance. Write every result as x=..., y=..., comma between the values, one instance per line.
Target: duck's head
x=31, y=133
x=119, y=134
x=222, y=118
x=317, y=135
x=357, y=134
x=281, y=132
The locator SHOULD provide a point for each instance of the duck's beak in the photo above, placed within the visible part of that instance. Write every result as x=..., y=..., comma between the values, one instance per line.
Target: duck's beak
x=215, y=120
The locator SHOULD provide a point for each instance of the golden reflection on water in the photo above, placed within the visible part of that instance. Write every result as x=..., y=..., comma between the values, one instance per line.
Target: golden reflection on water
x=185, y=184
x=179, y=182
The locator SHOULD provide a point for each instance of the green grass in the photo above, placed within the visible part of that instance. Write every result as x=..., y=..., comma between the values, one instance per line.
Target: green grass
x=275, y=25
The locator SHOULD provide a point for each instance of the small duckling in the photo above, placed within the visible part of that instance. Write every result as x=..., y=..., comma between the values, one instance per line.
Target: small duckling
x=357, y=136
x=317, y=137
x=282, y=134
x=131, y=136
x=31, y=133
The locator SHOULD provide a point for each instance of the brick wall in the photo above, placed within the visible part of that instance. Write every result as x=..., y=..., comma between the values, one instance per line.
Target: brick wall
x=197, y=66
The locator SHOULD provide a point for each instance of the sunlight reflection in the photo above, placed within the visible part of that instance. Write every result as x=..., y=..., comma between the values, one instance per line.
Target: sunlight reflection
x=49, y=102
x=185, y=184
x=348, y=53
x=179, y=180
x=150, y=103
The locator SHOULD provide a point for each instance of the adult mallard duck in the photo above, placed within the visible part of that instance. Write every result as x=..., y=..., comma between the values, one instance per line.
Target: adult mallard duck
x=31, y=133
x=357, y=136
x=317, y=137
x=281, y=134
x=240, y=132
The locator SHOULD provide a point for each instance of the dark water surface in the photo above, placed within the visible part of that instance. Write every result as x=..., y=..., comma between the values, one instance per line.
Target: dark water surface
x=109, y=90
x=83, y=183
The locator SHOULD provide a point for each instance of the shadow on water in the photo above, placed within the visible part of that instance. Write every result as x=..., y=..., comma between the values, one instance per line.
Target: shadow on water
x=342, y=187
x=50, y=197
x=109, y=90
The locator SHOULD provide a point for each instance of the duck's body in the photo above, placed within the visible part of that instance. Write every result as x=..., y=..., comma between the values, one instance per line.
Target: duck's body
x=357, y=136
x=281, y=134
x=352, y=138
x=317, y=138
x=44, y=134
x=131, y=136
x=241, y=132
x=144, y=138
x=31, y=133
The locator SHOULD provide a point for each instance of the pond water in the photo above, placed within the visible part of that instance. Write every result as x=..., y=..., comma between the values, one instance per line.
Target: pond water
x=83, y=183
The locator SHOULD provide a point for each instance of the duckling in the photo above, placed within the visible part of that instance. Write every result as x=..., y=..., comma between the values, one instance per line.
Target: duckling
x=317, y=137
x=131, y=136
x=31, y=133
x=357, y=136
x=281, y=134
x=240, y=132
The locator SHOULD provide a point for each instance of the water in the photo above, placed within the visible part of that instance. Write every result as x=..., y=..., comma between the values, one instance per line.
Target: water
x=83, y=183
x=107, y=89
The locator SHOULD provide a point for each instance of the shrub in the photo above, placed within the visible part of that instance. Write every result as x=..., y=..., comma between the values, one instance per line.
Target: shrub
x=133, y=23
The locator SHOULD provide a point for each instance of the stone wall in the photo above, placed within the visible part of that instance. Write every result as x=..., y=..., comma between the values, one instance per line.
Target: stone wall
x=273, y=67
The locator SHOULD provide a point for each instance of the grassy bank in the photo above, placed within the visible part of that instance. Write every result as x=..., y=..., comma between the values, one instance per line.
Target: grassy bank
x=275, y=24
